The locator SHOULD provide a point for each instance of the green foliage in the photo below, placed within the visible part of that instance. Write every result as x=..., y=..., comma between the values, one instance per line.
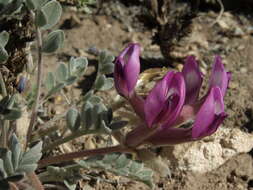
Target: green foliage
x=93, y=117
x=120, y=164
x=83, y=5
x=14, y=163
x=3, y=54
x=103, y=83
x=105, y=66
x=65, y=75
x=53, y=41
x=40, y=18
x=9, y=109
x=35, y=4
x=52, y=11
x=4, y=37
x=73, y=119
x=10, y=7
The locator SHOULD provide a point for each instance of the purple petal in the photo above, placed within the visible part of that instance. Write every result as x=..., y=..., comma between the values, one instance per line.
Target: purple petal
x=120, y=83
x=132, y=65
x=127, y=69
x=193, y=79
x=210, y=115
x=176, y=99
x=155, y=102
x=219, y=76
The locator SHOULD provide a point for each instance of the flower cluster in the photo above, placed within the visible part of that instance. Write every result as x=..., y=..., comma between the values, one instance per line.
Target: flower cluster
x=173, y=102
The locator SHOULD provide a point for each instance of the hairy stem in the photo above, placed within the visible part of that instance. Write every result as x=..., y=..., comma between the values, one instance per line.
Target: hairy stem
x=36, y=183
x=39, y=81
x=47, y=128
x=138, y=135
x=66, y=139
x=2, y=85
x=84, y=153
x=5, y=124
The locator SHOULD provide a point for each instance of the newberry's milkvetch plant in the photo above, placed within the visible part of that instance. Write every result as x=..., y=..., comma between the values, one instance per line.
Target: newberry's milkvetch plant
x=171, y=113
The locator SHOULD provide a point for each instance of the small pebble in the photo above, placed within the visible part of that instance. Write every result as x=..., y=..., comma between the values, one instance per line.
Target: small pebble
x=243, y=70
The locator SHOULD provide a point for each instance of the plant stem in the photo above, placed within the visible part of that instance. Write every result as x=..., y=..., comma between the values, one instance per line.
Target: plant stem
x=39, y=81
x=138, y=135
x=36, y=183
x=84, y=153
x=2, y=85
x=46, y=128
x=5, y=124
x=66, y=139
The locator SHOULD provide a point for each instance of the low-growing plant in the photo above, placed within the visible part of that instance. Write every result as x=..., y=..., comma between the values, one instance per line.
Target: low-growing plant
x=171, y=113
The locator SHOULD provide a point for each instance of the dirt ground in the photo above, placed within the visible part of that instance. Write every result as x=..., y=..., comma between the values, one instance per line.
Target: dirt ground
x=231, y=36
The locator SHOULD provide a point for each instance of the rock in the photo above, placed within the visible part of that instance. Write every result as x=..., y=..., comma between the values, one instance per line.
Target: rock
x=211, y=152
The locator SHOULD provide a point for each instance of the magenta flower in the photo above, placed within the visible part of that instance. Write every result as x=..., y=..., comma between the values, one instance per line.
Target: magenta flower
x=219, y=77
x=193, y=79
x=166, y=99
x=210, y=115
x=174, y=104
x=127, y=69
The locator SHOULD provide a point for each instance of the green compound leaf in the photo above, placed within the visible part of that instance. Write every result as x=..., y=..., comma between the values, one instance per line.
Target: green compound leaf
x=103, y=83
x=57, y=88
x=2, y=170
x=16, y=150
x=11, y=7
x=53, y=41
x=61, y=73
x=50, y=81
x=109, y=82
x=14, y=163
x=8, y=163
x=40, y=18
x=35, y=4
x=86, y=115
x=73, y=119
x=106, y=68
x=120, y=164
x=77, y=66
x=69, y=185
x=27, y=168
x=13, y=114
x=4, y=37
x=3, y=54
x=53, y=11
x=33, y=155
x=106, y=65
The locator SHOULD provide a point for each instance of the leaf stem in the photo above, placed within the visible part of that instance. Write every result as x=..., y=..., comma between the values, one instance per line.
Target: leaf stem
x=83, y=153
x=2, y=85
x=47, y=128
x=67, y=138
x=36, y=183
x=5, y=124
x=39, y=81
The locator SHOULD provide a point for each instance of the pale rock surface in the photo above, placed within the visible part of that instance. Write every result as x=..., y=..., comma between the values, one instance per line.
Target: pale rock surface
x=211, y=152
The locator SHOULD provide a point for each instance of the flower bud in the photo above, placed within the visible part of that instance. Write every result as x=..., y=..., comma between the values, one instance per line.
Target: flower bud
x=127, y=69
